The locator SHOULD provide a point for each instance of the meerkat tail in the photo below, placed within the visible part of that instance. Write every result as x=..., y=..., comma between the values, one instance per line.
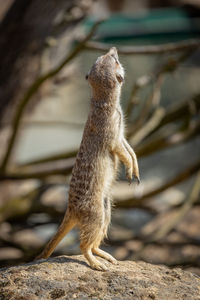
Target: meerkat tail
x=63, y=229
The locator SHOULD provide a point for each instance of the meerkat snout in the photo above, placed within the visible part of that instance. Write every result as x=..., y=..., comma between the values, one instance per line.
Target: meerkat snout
x=113, y=52
x=106, y=71
x=119, y=69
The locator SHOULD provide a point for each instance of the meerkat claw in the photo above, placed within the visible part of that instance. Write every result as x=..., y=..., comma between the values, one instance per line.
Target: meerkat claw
x=136, y=178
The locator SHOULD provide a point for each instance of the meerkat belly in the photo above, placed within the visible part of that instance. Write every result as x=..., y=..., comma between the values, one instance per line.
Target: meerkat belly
x=106, y=168
x=91, y=178
x=118, y=125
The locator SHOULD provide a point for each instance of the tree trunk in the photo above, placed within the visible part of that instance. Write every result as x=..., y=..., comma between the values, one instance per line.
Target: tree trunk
x=23, y=33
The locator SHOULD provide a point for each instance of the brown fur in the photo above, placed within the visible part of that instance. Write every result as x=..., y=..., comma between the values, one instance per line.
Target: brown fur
x=103, y=144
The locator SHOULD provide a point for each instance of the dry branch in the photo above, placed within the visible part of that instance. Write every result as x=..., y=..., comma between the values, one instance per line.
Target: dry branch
x=150, y=49
x=166, y=139
x=139, y=201
x=153, y=101
x=148, y=127
x=50, y=158
x=45, y=123
x=140, y=82
x=34, y=88
x=180, y=213
x=180, y=110
x=24, y=173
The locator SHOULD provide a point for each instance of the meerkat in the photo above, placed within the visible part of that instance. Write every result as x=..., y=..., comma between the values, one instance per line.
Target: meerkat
x=103, y=145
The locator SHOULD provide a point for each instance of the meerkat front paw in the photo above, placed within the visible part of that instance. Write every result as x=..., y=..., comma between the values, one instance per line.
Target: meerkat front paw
x=133, y=173
x=134, y=163
x=134, y=178
x=131, y=176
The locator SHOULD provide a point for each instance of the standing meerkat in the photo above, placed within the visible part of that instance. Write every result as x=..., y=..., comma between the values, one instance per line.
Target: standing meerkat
x=103, y=145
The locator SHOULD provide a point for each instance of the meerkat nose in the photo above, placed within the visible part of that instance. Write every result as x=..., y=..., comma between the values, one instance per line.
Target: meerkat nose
x=113, y=51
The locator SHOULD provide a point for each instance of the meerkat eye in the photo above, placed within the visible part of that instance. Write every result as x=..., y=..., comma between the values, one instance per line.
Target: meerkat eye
x=120, y=78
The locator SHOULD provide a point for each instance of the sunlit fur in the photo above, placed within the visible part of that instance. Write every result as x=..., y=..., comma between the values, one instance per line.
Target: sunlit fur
x=103, y=145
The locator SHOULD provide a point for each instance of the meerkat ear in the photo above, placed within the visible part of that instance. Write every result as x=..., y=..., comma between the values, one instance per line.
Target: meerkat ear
x=119, y=77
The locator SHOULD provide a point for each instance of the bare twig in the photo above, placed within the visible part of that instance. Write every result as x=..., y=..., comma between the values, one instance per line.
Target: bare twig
x=27, y=173
x=152, y=101
x=180, y=110
x=34, y=88
x=148, y=127
x=167, y=139
x=140, y=82
x=150, y=49
x=48, y=123
x=50, y=158
x=138, y=201
x=180, y=213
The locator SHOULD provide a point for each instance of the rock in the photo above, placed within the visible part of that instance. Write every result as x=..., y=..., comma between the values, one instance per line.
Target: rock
x=71, y=278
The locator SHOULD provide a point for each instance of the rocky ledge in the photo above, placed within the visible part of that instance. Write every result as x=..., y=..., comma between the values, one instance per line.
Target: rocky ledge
x=71, y=278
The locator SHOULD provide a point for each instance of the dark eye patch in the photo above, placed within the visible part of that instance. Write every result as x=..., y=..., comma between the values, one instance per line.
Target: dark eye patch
x=119, y=78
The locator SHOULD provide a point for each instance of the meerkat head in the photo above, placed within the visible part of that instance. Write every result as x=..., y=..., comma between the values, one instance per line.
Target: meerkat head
x=107, y=72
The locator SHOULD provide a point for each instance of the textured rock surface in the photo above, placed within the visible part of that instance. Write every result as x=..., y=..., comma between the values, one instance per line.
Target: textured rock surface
x=71, y=278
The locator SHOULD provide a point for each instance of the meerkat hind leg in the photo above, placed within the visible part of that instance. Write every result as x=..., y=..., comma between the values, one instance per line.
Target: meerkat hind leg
x=90, y=236
x=103, y=254
x=93, y=261
x=107, y=216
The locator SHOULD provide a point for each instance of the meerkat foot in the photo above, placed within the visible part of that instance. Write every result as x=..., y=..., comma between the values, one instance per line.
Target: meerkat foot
x=104, y=255
x=94, y=263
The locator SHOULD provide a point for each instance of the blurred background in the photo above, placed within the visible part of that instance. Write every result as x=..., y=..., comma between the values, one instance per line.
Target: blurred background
x=46, y=48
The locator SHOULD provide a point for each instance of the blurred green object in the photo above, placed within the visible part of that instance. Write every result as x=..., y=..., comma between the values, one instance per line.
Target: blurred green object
x=156, y=26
